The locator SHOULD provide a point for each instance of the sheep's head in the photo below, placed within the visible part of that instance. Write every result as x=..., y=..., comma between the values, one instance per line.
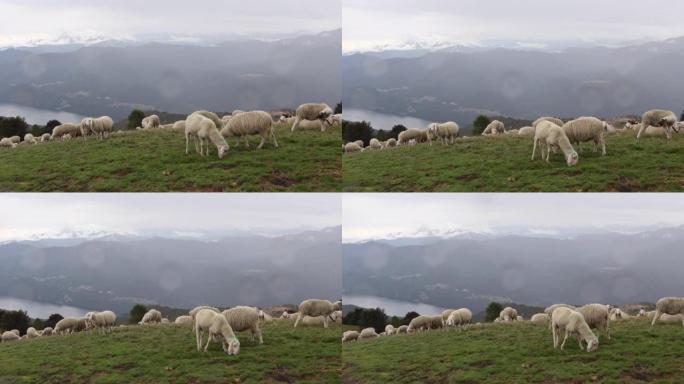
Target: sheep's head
x=572, y=158
x=667, y=121
x=231, y=347
x=592, y=345
x=222, y=151
x=325, y=113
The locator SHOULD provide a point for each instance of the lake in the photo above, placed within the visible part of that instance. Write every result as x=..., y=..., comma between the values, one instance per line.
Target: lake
x=40, y=310
x=391, y=307
x=38, y=116
x=383, y=120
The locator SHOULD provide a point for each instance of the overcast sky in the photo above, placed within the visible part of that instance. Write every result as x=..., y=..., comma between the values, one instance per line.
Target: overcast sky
x=369, y=216
x=29, y=20
x=27, y=215
x=368, y=25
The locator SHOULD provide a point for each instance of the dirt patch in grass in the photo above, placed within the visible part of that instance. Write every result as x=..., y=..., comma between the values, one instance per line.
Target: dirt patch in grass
x=124, y=366
x=482, y=363
x=467, y=177
x=279, y=375
x=640, y=373
x=279, y=178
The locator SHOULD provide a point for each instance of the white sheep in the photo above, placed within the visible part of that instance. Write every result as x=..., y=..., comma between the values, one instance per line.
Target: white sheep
x=359, y=143
x=547, y=135
x=419, y=323
x=179, y=126
x=411, y=134
x=349, y=336
x=7, y=143
x=70, y=325
x=237, y=112
x=152, y=316
x=671, y=319
x=30, y=139
x=216, y=325
x=15, y=139
x=389, y=329
x=368, y=333
x=549, y=310
x=100, y=126
x=9, y=336
x=586, y=129
x=242, y=318
x=445, y=315
x=554, y=120
x=45, y=137
x=652, y=131
x=540, y=318
x=31, y=333
x=597, y=317
x=401, y=329
x=151, y=122
x=508, y=314
x=670, y=306
x=445, y=132
x=183, y=320
x=569, y=322
x=203, y=129
x=526, y=131
x=494, y=128
x=460, y=317
x=104, y=320
x=47, y=331
x=250, y=123
x=313, y=111
x=375, y=144
x=315, y=307
x=659, y=118
x=352, y=147
x=391, y=142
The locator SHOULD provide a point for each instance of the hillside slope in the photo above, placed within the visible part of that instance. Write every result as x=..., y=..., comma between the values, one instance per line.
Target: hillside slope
x=156, y=161
x=518, y=353
x=155, y=354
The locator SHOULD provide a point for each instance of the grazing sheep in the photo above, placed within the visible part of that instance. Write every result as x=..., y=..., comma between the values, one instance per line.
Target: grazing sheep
x=412, y=134
x=349, y=336
x=203, y=129
x=597, y=317
x=289, y=120
x=352, y=147
x=65, y=129
x=391, y=142
x=311, y=321
x=45, y=137
x=401, y=329
x=164, y=320
x=526, y=131
x=549, y=310
x=100, y=126
x=508, y=314
x=179, y=126
x=540, y=318
x=47, y=331
x=218, y=328
x=445, y=315
x=389, y=329
x=315, y=307
x=30, y=139
x=15, y=139
x=237, y=112
x=9, y=336
x=375, y=144
x=549, y=135
x=671, y=319
x=652, y=131
x=151, y=122
x=570, y=322
x=617, y=314
x=586, y=129
x=243, y=318
x=31, y=333
x=659, y=118
x=436, y=322
x=103, y=320
x=6, y=142
x=494, y=128
x=669, y=306
x=70, y=325
x=445, y=132
x=250, y=123
x=152, y=316
x=368, y=333
x=183, y=320
x=419, y=323
x=460, y=317
x=313, y=111
x=554, y=120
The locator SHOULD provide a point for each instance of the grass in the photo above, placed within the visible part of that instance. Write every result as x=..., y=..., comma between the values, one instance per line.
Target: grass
x=519, y=353
x=502, y=164
x=156, y=162
x=167, y=354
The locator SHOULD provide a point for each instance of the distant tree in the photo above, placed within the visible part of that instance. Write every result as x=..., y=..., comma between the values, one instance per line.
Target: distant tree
x=492, y=311
x=365, y=318
x=396, y=130
x=681, y=117
x=37, y=130
x=338, y=108
x=409, y=316
x=38, y=324
x=53, y=320
x=13, y=126
x=135, y=119
x=396, y=321
x=51, y=125
x=355, y=130
x=481, y=122
x=136, y=314
x=15, y=320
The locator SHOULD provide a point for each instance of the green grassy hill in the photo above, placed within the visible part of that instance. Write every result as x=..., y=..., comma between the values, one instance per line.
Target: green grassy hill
x=518, y=353
x=503, y=164
x=167, y=354
x=144, y=161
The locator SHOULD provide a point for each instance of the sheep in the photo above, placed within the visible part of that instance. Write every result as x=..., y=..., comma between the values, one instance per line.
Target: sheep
x=285, y=315
x=419, y=323
x=336, y=118
x=596, y=316
x=15, y=139
x=548, y=134
x=315, y=307
x=206, y=320
x=63, y=129
x=359, y=143
x=494, y=128
x=290, y=120
x=445, y=315
x=554, y=120
x=436, y=322
x=29, y=138
x=670, y=306
x=375, y=144
x=549, y=310
x=45, y=137
x=411, y=134
x=16, y=332
x=165, y=320
x=586, y=129
x=250, y=123
x=152, y=316
x=9, y=336
x=401, y=329
x=665, y=318
x=368, y=333
x=47, y=331
x=391, y=142
x=70, y=325
x=31, y=333
x=311, y=321
x=508, y=314
x=459, y=317
x=617, y=314
x=183, y=320
x=389, y=329
x=445, y=132
x=100, y=126
x=652, y=131
x=104, y=320
x=352, y=147
x=349, y=336
x=540, y=318
x=203, y=129
x=519, y=318
x=150, y=122
x=659, y=118
x=179, y=126
x=243, y=318
x=313, y=111
x=570, y=322
x=237, y=112
x=6, y=142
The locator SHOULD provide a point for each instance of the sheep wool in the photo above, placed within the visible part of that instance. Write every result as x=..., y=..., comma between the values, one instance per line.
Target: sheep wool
x=586, y=129
x=670, y=306
x=349, y=336
x=242, y=318
x=658, y=118
x=316, y=307
x=548, y=135
x=596, y=316
x=570, y=322
x=313, y=111
x=250, y=123
x=216, y=325
x=368, y=333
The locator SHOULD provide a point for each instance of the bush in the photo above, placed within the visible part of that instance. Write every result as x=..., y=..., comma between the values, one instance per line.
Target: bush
x=53, y=320
x=481, y=122
x=135, y=119
x=13, y=126
x=136, y=314
x=365, y=318
x=15, y=320
x=492, y=311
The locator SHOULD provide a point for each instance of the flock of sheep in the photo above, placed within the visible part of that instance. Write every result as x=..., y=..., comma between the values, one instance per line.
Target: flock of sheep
x=549, y=133
x=564, y=321
x=202, y=127
x=219, y=326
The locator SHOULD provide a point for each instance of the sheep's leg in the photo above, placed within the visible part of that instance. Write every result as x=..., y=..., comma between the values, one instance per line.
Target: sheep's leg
x=263, y=140
x=534, y=149
x=554, y=334
x=297, y=321
x=603, y=146
x=198, y=338
x=246, y=139
x=296, y=124
x=564, y=339
x=208, y=341
x=325, y=322
x=641, y=129
x=187, y=144
x=655, y=317
x=275, y=142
